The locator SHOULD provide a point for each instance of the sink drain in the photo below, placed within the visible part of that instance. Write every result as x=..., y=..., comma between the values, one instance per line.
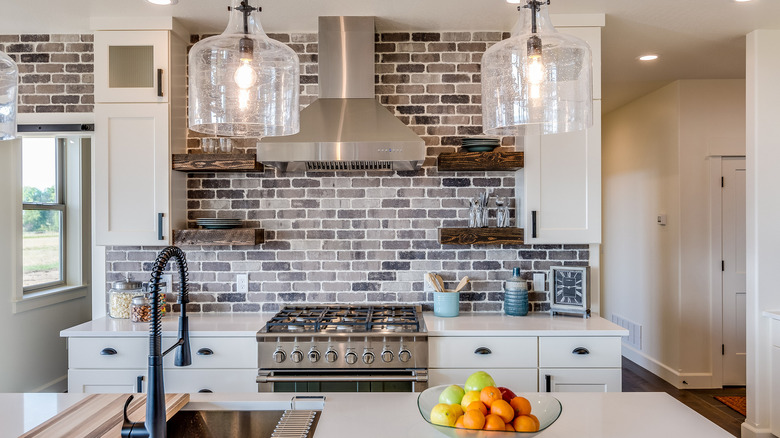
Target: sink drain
x=295, y=424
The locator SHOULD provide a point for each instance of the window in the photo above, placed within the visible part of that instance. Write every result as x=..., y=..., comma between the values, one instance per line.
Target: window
x=44, y=198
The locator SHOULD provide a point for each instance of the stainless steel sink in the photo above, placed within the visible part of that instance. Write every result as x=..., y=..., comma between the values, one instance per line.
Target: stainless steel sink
x=220, y=423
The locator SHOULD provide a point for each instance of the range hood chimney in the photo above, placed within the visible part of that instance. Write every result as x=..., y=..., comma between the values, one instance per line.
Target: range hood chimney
x=346, y=128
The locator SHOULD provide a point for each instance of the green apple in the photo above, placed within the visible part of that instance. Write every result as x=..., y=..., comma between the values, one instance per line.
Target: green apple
x=443, y=415
x=479, y=380
x=451, y=395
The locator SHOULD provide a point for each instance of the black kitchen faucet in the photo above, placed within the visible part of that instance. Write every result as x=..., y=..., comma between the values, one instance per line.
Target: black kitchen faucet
x=154, y=426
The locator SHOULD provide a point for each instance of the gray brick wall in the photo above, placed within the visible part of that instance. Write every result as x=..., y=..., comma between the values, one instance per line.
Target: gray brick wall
x=366, y=236
x=55, y=71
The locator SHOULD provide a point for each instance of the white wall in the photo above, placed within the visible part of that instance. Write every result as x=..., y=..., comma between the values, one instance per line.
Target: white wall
x=33, y=355
x=655, y=162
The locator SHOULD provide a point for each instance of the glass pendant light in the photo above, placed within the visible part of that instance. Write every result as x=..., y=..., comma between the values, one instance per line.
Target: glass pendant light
x=242, y=83
x=539, y=82
x=9, y=74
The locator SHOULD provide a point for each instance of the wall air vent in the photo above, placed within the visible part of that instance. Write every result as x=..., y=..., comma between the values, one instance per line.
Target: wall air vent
x=348, y=165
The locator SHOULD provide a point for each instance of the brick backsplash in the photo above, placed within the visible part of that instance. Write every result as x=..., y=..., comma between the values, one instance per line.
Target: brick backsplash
x=363, y=237
x=56, y=72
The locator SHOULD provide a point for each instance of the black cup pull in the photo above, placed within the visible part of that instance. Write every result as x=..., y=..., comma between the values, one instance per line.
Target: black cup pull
x=107, y=352
x=547, y=383
x=206, y=391
x=205, y=352
x=580, y=350
x=159, y=82
x=482, y=350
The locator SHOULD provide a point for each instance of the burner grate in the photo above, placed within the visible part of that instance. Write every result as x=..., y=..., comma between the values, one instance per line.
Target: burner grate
x=344, y=318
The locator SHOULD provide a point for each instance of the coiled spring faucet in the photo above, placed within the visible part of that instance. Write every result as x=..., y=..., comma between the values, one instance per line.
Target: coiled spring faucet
x=154, y=426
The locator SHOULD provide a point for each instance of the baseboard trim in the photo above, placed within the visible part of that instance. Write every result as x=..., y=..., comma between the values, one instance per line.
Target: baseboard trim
x=749, y=431
x=59, y=384
x=675, y=378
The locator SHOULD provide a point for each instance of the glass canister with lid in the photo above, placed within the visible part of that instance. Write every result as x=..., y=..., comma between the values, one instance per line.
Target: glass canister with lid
x=141, y=309
x=120, y=298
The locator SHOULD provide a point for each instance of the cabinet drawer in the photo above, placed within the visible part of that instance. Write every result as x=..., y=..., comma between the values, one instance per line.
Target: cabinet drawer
x=105, y=381
x=214, y=380
x=217, y=352
x=518, y=380
x=117, y=352
x=498, y=352
x=580, y=380
x=579, y=352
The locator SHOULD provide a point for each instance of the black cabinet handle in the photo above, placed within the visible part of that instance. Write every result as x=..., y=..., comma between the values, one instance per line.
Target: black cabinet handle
x=547, y=383
x=107, y=352
x=533, y=224
x=580, y=350
x=205, y=352
x=139, y=384
x=206, y=391
x=482, y=350
x=159, y=82
x=160, y=235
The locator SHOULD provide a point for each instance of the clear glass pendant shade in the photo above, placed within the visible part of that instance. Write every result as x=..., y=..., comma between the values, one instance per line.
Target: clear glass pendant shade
x=9, y=74
x=242, y=83
x=537, y=83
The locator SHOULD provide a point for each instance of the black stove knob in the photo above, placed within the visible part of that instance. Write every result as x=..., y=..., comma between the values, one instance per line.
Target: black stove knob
x=331, y=356
x=351, y=358
x=296, y=356
x=368, y=358
x=314, y=356
x=404, y=355
x=279, y=356
x=387, y=356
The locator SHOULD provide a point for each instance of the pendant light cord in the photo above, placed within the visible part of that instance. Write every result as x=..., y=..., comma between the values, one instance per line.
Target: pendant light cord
x=534, y=5
x=246, y=9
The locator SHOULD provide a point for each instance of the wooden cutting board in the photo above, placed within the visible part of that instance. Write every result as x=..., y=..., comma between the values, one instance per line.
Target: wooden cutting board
x=100, y=415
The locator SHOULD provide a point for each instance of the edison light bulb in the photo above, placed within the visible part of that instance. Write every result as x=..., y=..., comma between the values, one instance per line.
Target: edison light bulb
x=535, y=75
x=245, y=75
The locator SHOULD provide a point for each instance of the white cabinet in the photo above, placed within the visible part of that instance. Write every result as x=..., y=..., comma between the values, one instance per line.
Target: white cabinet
x=518, y=380
x=774, y=420
x=139, y=124
x=580, y=364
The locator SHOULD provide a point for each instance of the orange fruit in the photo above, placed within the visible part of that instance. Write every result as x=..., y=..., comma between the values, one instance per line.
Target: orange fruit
x=509, y=427
x=521, y=406
x=503, y=410
x=479, y=406
x=533, y=417
x=494, y=422
x=474, y=419
x=459, y=423
x=524, y=423
x=489, y=394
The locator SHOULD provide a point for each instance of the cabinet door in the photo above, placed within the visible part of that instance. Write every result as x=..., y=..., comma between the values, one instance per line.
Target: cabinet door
x=106, y=381
x=516, y=379
x=580, y=380
x=562, y=186
x=210, y=380
x=132, y=174
x=131, y=66
x=775, y=404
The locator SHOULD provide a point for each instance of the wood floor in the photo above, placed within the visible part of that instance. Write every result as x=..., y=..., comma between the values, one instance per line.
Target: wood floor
x=638, y=379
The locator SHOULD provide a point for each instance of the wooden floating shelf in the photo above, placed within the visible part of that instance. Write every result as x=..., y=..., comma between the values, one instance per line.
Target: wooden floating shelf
x=216, y=163
x=234, y=236
x=481, y=161
x=475, y=236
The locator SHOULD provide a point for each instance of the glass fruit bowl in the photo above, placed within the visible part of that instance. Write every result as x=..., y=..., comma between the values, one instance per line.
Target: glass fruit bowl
x=544, y=406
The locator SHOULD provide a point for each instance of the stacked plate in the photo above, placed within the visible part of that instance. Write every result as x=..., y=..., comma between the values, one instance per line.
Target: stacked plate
x=219, y=224
x=480, y=144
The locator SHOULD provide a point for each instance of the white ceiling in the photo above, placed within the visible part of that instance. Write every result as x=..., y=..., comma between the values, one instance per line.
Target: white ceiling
x=696, y=39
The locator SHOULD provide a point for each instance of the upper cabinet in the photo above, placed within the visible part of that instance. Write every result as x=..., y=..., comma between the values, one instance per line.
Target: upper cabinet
x=132, y=66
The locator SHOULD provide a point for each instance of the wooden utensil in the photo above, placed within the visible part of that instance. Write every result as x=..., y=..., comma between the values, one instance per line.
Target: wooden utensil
x=434, y=283
x=463, y=282
x=440, y=282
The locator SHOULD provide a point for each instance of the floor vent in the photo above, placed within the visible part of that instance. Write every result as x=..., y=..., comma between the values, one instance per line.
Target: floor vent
x=634, y=338
x=295, y=424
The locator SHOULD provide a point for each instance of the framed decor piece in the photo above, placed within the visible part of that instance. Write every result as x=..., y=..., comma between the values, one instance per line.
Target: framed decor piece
x=570, y=291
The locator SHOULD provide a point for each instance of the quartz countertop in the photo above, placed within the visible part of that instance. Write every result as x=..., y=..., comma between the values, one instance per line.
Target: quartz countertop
x=392, y=415
x=534, y=324
x=774, y=314
x=201, y=324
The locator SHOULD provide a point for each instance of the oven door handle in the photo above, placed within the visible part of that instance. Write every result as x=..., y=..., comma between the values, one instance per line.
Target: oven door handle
x=417, y=377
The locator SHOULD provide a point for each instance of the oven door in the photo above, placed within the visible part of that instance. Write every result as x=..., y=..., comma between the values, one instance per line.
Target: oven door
x=411, y=380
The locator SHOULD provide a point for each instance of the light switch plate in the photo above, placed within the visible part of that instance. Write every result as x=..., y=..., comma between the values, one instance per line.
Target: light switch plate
x=539, y=282
x=242, y=283
x=168, y=280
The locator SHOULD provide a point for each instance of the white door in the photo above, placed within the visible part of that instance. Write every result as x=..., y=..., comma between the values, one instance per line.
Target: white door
x=734, y=281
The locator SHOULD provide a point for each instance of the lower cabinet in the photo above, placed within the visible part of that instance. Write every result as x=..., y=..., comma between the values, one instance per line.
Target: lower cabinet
x=518, y=380
x=580, y=380
x=775, y=404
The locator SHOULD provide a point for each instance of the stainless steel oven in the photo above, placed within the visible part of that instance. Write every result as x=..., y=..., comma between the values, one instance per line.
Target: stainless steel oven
x=344, y=349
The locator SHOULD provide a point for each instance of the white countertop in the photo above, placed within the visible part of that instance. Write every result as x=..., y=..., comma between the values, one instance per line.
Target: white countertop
x=774, y=314
x=534, y=324
x=392, y=415
x=201, y=324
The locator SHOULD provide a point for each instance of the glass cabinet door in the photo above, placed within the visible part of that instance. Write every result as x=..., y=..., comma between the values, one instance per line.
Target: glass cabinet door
x=131, y=66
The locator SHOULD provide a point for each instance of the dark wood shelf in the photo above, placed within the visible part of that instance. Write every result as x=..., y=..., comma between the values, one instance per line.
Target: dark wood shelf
x=234, y=236
x=475, y=236
x=481, y=161
x=216, y=163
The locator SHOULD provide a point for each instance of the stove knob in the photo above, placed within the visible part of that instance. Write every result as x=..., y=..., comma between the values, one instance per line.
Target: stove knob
x=296, y=356
x=279, y=356
x=331, y=356
x=314, y=356
x=368, y=358
x=351, y=358
x=404, y=355
x=387, y=356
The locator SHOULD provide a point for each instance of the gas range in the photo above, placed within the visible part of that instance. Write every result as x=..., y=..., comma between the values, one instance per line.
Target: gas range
x=344, y=343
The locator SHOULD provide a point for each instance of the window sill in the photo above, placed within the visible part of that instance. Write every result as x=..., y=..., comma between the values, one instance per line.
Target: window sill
x=48, y=297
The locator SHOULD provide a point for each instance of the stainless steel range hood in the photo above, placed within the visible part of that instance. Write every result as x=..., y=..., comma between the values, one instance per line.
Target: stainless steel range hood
x=346, y=128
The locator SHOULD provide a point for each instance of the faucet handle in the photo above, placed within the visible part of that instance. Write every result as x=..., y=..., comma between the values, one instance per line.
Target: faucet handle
x=129, y=428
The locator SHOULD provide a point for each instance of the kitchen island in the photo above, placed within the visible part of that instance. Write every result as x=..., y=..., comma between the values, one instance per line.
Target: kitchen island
x=379, y=415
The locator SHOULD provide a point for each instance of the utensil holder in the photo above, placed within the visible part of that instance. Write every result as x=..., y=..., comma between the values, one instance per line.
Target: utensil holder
x=446, y=304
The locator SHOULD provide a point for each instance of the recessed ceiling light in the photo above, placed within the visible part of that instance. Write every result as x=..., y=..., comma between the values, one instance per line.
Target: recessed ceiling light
x=516, y=2
x=648, y=58
x=742, y=1
x=163, y=2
